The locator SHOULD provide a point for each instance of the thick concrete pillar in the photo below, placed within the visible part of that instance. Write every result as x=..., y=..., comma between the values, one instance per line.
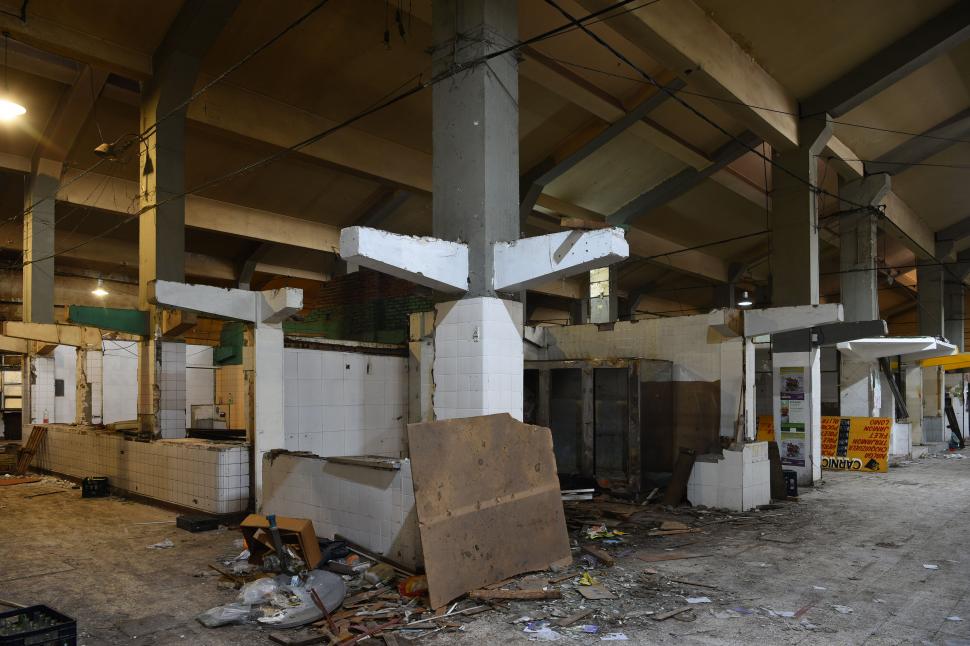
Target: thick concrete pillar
x=860, y=382
x=929, y=279
x=954, y=312
x=38, y=275
x=929, y=284
x=794, y=217
x=161, y=226
x=476, y=134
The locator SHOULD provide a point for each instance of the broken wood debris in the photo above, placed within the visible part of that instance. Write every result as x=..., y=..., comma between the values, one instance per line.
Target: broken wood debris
x=600, y=555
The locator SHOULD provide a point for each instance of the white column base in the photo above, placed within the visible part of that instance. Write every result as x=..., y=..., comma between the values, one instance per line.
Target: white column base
x=478, y=358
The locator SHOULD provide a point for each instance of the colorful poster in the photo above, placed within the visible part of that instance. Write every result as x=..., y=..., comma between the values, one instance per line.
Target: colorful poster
x=856, y=443
x=794, y=417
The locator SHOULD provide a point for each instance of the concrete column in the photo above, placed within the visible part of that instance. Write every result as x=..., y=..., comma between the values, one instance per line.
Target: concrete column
x=478, y=358
x=858, y=234
x=476, y=135
x=860, y=382
x=38, y=274
x=82, y=393
x=929, y=283
x=269, y=430
x=794, y=217
x=161, y=226
x=954, y=312
x=812, y=442
x=929, y=278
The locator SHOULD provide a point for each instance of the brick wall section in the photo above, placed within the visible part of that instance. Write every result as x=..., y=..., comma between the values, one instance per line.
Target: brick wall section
x=363, y=306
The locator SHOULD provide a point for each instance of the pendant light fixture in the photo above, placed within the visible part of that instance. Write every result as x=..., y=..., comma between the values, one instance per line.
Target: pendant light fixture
x=9, y=109
x=100, y=291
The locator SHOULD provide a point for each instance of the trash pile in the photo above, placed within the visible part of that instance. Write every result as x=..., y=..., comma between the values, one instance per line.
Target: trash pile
x=349, y=595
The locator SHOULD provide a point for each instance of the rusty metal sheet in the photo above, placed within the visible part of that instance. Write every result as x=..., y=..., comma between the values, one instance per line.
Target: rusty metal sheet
x=488, y=502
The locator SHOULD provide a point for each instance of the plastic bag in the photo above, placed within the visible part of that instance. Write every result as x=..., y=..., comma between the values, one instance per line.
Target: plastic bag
x=232, y=613
x=258, y=592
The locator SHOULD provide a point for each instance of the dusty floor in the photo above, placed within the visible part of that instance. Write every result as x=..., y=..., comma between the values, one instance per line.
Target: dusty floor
x=859, y=541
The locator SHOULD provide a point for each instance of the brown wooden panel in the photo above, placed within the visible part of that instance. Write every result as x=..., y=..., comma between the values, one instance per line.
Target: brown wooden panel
x=488, y=502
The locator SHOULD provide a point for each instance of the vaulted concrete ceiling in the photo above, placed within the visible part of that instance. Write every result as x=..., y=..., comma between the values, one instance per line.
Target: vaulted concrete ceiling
x=570, y=89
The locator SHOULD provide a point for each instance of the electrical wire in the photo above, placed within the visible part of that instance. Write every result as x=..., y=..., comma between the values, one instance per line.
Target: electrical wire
x=259, y=163
x=662, y=88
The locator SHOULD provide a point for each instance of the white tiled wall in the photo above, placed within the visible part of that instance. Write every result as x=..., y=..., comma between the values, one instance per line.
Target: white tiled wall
x=199, y=378
x=65, y=368
x=119, y=395
x=372, y=507
x=172, y=390
x=478, y=358
x=741, y=480
x=345, y=403
x=42, y=389
x=209, y=476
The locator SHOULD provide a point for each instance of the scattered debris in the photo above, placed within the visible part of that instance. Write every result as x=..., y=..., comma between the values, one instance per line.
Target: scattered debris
x=162, y=545
x=595, y=592
x=931, y=566
x=698, y=600
x=614, y=637
x=670, y=613
x=844, y=610
x=954, y=618
x=515, y=594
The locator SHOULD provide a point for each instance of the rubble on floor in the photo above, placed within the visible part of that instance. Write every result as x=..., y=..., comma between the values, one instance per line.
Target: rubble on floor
x=610, y=587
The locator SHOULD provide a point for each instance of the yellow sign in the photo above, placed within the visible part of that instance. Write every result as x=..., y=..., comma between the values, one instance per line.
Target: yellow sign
x=766, y=428
x=856, y=443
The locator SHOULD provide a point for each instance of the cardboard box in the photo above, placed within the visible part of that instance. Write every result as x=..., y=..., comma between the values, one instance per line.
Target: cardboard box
x=294, y=532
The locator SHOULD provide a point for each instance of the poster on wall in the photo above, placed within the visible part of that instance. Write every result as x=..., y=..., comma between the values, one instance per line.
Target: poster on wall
x=856, y=443
x=794, y=416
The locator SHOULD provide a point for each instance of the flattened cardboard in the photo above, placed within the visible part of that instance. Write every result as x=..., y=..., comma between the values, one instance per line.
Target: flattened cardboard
x=295, y=532
x=488, y=502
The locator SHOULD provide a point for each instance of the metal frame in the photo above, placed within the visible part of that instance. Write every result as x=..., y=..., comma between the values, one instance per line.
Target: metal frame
x=631, y=478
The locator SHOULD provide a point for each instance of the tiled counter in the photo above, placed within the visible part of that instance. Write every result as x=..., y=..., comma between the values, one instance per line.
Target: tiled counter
x=370, y=506
x=200, y=474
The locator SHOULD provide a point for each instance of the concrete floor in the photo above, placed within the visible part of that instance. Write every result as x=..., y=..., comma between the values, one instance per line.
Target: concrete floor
x=863, y=538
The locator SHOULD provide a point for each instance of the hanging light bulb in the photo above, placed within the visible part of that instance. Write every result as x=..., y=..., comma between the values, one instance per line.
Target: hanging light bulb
x=745, y=300
x=9, y=109
x=100, y=291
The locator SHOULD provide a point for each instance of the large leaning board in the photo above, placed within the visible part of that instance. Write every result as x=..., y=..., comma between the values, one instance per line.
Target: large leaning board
x=856, y=443
x=488, y=502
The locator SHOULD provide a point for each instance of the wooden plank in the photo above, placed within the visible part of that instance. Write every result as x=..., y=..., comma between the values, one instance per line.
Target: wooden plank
x=491, y=595
x=595, y=592
x=677, y=488
x=487, y=498
x=7, y=482
x=304, y=637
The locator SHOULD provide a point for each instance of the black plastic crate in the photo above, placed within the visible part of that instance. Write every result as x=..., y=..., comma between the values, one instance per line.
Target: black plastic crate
x=94, y=487
x=197, y=523
x=37, y=626
x=791, y=483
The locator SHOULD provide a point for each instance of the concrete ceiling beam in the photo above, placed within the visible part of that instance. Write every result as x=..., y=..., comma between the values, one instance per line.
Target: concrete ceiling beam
x=681, y=183
x=79, y=336
x=438, y=264
x=234, y=304
x=51, y=35
x=956, y=231
x=918, y=149
x=72, y=112
x=887, y=66
x=117, y=195
x=538, y=178
x=527, y=262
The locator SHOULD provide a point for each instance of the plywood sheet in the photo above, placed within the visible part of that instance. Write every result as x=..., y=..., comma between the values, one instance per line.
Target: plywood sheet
x=488, y=502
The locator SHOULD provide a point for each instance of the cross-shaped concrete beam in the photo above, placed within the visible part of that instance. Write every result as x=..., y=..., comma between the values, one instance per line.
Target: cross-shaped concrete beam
x=520, y=264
